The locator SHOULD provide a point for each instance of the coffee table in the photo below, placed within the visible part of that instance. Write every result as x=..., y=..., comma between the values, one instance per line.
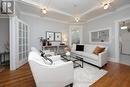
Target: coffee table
x=77, y=61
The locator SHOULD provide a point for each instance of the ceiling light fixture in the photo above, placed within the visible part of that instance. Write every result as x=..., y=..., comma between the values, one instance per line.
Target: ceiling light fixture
x=44, y=11
x=124, y=26
x=106, y=6
x=77, y=19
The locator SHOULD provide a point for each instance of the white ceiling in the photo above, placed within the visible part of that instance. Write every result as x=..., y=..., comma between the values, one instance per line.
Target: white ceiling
x=66, y=10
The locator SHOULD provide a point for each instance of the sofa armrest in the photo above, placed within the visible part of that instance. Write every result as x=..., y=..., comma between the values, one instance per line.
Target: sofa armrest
x=103, y=58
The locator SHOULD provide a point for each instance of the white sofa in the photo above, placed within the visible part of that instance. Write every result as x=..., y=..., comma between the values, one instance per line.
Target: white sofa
x=59, y=74
x=88, y=56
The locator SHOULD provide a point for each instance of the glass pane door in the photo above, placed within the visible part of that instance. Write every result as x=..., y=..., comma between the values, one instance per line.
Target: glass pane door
x=22, y=42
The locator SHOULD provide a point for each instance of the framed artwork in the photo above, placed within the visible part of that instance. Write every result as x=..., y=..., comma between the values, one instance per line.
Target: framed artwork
x=7, y=6
x=58, y=36
x=50, y=36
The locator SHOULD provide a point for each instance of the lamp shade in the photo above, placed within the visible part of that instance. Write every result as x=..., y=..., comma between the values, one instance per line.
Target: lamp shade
x=124, y=27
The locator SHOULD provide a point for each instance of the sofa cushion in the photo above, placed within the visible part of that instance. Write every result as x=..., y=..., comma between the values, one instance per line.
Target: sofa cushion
x=58, y=62
x=89, y=48
x=91, y=56
x=87, y=55
x=78, y=52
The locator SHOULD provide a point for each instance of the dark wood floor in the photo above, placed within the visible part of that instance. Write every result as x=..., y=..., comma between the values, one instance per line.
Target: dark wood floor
x=118, y=76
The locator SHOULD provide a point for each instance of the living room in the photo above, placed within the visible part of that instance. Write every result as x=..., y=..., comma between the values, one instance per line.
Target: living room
x=69, y=36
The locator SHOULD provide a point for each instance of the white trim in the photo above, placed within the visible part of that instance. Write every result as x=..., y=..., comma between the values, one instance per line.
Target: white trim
x=90, y=10
x=108, y=28
x=123, y=7
x=12, y=34
x=60, y=12
x=100, y=16
x=32, y=3
x=117, y=51
x=46, y=18
x=112, y=59
x=77, y=23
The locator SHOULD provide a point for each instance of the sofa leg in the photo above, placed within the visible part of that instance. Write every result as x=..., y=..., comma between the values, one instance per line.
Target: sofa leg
x=71, y=85
x=100, y=67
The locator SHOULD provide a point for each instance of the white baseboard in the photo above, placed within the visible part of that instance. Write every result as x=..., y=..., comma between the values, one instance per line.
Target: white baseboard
x=113, y=60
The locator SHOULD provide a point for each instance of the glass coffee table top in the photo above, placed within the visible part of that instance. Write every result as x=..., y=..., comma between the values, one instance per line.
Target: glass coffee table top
x=76, y=60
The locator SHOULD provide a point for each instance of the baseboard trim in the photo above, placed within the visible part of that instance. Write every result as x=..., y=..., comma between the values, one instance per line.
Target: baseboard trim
x=112, y=59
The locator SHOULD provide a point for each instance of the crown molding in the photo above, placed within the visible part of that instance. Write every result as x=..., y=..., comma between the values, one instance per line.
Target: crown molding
x=45, y=18
x=123, y=7
x=60, y=12
x=79, y=23
x=100, y=16
x=32, y=3
x=90, y=10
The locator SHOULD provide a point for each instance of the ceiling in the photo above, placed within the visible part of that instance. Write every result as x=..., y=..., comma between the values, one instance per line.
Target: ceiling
x=66, y=10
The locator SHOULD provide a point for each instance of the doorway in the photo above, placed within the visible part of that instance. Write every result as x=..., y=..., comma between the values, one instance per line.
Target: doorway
x=4, y=44
x=75, y=34
x=124, y=42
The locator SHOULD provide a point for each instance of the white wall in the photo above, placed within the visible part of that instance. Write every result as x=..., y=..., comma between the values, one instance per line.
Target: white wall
x=39, y=26
x=104, y=22
x=4, y=33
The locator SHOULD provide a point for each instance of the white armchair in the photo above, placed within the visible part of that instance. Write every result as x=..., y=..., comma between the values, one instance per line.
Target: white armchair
x=56, y=75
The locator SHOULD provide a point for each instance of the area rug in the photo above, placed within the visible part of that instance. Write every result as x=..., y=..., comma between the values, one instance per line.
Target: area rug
x=84, y=77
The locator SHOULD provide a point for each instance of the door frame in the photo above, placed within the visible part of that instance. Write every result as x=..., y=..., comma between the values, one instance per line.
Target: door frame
x=117, y=35
x=12, y=30
x=70, y=33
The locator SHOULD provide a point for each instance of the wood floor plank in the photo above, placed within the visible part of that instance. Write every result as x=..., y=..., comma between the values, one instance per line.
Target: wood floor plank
x=118, y=76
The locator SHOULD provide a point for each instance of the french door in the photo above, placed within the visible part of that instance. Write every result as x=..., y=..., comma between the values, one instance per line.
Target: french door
x=22, y=39
x=19, y=39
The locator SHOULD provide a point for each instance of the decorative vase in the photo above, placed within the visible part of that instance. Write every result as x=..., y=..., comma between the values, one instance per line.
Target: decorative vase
x=67, y=53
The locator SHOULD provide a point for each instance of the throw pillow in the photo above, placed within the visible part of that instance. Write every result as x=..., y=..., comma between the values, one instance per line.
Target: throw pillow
x=47, y=61
x=98, y=50
x=42, y=53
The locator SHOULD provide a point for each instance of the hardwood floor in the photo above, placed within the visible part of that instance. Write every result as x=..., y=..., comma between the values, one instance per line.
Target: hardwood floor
x=118, y=76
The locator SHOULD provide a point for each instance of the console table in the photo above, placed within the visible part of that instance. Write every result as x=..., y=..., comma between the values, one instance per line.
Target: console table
x=4, y=58
x=59, y=49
